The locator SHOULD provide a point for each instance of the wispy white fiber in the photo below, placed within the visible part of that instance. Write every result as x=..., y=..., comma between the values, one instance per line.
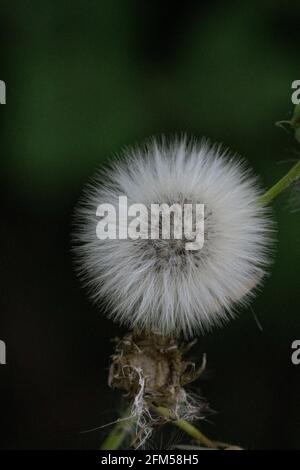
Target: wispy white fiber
x=157, y=285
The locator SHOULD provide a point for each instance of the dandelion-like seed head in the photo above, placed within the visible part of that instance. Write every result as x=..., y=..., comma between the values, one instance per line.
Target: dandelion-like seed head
x=157, y=284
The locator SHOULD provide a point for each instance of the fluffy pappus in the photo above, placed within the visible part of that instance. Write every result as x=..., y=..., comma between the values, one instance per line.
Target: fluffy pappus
x=158, y=285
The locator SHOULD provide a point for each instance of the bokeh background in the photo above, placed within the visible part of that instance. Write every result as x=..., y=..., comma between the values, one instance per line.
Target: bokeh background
x=84, y=79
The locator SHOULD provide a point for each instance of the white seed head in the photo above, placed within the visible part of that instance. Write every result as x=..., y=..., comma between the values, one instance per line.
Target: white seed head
x=158, y=285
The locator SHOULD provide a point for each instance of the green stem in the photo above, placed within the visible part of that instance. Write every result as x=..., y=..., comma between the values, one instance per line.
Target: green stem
x=117, y=435
x=281, y=185
x=186, y=427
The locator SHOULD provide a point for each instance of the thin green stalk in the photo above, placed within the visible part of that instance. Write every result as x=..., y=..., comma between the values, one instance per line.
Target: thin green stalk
x=117, y=435
x=281, y=185
x=188, y=428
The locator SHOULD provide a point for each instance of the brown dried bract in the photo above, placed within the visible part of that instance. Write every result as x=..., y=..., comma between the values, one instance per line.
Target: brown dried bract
x=159, y=361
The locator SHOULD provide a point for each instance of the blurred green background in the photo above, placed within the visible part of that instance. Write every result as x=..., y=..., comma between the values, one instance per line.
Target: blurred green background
x=84, y=79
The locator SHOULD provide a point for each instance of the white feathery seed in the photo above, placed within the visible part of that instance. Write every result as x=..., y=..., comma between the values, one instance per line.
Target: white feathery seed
x=157, y=285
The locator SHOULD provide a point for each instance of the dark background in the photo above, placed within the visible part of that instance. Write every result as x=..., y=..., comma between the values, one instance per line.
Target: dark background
x=84, y=79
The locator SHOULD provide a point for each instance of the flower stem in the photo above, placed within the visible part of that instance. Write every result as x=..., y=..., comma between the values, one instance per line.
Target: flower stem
x=117, y=435
x=281, y=185
x=123, y=427
x=186, y=427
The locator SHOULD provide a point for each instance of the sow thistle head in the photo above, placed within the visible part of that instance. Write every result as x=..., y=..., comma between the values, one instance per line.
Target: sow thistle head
x=176, y=284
